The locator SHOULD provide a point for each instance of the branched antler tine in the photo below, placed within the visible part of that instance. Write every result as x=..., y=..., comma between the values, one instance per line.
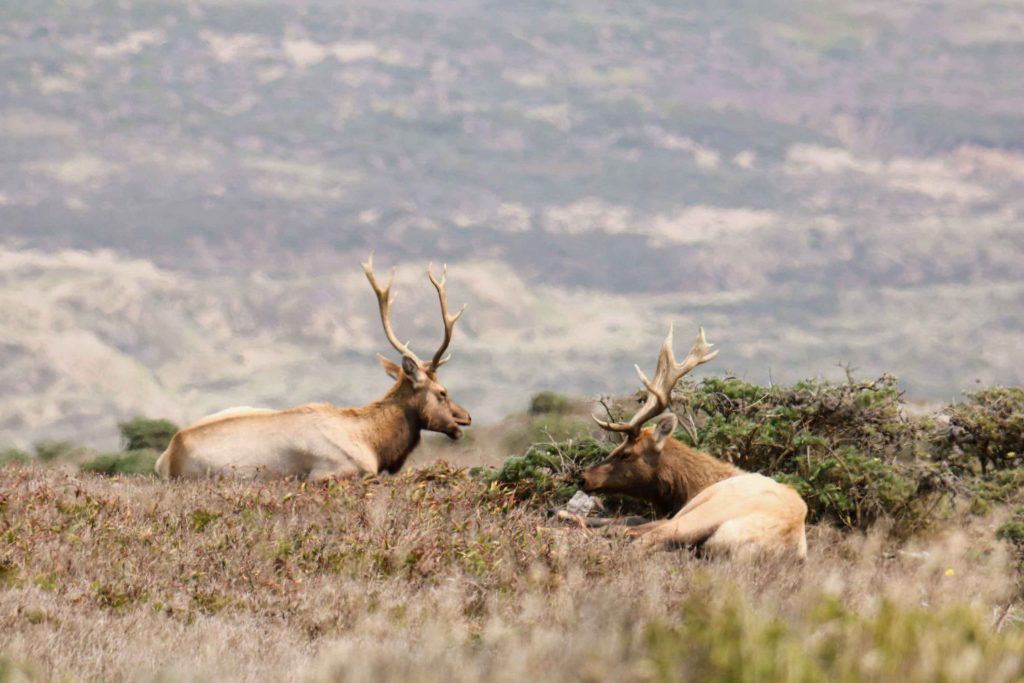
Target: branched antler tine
x=612, y=426
x=384, y=300
x=449, y=320
x=700, y=353
x=659, y=391
x=648, y=384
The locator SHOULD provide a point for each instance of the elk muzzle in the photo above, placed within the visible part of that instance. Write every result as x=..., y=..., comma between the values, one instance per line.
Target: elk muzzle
x=461, y=418
x=595, y=477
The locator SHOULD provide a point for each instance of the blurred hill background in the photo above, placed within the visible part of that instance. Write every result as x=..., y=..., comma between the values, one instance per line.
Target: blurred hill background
x=187, y=189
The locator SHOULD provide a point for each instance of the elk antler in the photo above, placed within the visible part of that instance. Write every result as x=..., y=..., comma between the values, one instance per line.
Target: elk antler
x=659, y=392
x=384, y=300
x=449, y=320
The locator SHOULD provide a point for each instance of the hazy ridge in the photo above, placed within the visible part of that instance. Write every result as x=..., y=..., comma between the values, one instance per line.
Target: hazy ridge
x=186, y=192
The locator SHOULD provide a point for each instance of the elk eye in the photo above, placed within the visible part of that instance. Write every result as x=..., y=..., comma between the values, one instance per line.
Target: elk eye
x=443, y=395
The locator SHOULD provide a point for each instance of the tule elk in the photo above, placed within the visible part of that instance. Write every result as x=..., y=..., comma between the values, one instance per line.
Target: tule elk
x=320, y=441
x=718, y=508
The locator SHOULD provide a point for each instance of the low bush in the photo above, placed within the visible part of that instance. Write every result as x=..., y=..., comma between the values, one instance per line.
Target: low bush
x=548, y=474
x=987, y=430
x=549, y=402
x=549, y=471
x=762, y=428
x=133, y=462
x=14, y=455
x=53, y=451
x=845, y=447
x=721, y=637
x=142, y=432
x=44, y=452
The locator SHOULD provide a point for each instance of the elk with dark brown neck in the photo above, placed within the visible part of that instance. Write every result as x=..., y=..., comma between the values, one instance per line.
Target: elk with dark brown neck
x=321, y=441
x=717, y=506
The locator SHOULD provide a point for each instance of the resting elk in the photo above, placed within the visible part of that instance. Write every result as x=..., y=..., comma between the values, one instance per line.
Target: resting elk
x=718, y=508
x=321, y=441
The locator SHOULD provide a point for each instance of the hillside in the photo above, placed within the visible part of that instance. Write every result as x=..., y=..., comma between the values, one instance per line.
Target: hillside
x=429, y=576
x=186, y=192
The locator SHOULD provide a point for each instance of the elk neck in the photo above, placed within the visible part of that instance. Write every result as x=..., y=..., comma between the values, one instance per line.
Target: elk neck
x=683, y=472
x=391, y=429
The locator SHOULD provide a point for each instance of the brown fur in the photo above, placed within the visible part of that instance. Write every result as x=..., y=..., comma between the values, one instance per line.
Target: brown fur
x=317, y=440
x=668, y=478
x=716, y=505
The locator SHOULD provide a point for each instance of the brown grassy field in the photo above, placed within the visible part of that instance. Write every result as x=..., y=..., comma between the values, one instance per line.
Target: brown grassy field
x=431, y=576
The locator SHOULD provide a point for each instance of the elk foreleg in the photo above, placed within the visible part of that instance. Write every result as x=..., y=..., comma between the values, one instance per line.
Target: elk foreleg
x=630, y=522
x=689, y=529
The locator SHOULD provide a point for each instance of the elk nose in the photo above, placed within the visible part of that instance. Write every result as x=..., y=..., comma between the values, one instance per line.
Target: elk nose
x=464, y=420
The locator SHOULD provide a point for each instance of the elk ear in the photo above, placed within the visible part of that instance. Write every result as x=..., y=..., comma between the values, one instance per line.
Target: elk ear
x=389, y=367
x=414, y=372
x=665, y=428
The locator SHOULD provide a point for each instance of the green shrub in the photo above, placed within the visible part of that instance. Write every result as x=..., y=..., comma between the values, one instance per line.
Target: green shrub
x=549, y=474
x=998, y=487
x=549, y=470
x=1012, y=531
x=52, y=451
x=132, y=462
x=726, y=638
x=14, y=671
x=845, y=447
x=142, y=432
x=762, y=428
x=548, y=402
x=987, y=429
x=14, y=456
x=850, y=489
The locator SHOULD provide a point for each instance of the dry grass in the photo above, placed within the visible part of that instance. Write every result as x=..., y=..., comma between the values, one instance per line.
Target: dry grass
x=428, y=576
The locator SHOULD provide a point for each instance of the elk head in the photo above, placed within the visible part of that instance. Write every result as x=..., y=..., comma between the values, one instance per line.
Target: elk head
x=632, y=468
x=416, y=384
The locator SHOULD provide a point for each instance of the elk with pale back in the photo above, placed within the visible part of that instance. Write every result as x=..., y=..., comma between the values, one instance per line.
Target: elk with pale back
x=321, y=441
x=718, y=507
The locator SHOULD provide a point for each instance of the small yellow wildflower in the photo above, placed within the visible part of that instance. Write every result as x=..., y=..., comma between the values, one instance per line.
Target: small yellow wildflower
x=1011, y=454
x=950, y=572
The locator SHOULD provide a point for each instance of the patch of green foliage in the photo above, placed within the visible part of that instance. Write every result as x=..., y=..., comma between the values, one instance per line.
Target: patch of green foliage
x=14, y=456
x=549, y=403
x=12, y=670
x=845, y=447
x=721, y=637
x=140, y=433
x=143, y=439
x=131, y=462
x=850, y=489
x=550, y=473
x=760, y=428
x=52, y=451
x=200, y=519
x=987, y=429
x=1012, y=531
